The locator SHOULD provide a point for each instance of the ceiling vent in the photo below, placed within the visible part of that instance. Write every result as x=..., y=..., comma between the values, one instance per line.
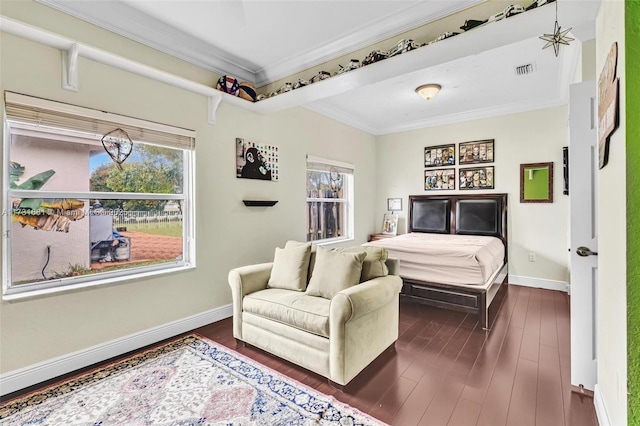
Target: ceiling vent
x=525, y=69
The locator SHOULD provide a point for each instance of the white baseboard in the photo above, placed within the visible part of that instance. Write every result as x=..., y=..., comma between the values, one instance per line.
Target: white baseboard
x=33, y=374
x=539, y=283
x=601, y=408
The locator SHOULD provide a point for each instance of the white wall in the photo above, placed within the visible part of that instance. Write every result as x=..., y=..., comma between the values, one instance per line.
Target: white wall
x=530, y=137
x=612, y=280
x=228, y=233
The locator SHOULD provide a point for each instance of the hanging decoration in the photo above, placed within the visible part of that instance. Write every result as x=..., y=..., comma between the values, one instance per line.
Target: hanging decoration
x=118, y=145
x=558, y=37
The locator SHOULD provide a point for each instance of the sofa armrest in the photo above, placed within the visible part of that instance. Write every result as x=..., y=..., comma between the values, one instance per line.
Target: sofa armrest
x=243, y=281
x=249, y=279
x=364, y=298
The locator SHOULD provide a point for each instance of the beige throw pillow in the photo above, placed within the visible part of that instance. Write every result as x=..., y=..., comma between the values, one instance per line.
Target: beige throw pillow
x=374, y=265
x=312, y=257
x=334, y=271
x=290, y=268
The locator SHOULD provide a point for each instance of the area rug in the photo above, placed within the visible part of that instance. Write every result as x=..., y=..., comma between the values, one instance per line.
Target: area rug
x=189, y=381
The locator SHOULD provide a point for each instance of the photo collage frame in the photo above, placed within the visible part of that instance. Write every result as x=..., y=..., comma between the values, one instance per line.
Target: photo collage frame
x=441, y=174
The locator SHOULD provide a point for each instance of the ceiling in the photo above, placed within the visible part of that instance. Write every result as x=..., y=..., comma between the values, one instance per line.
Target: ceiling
x=264, y=41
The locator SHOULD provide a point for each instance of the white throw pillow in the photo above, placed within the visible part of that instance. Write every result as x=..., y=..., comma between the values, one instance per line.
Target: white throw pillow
x=290, y=268
x=334, y=271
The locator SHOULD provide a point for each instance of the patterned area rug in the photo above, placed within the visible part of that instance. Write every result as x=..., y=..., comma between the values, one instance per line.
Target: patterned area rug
x=189, y=381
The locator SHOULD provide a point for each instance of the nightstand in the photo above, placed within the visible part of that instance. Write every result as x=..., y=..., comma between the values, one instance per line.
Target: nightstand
x=374, y=237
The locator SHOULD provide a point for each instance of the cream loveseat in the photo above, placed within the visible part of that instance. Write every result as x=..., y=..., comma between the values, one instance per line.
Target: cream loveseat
x=331, y=311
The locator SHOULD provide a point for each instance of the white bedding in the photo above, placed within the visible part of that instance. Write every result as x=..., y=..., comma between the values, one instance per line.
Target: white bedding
x=446, y=259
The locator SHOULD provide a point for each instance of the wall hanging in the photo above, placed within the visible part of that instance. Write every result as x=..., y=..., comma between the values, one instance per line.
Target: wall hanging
x=536, y=183
x=477, y=152
x=256, y=161
x=436, y=179
x=477, y=178
x=443, y=155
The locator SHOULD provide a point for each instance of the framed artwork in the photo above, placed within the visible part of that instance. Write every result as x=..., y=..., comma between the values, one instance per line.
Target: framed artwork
x=536, y=183
x=436, y=179
x=394, y=204
x=477, y=178
x=390, y=224
x=477, y=152
x=438, y=156
x=256, y=161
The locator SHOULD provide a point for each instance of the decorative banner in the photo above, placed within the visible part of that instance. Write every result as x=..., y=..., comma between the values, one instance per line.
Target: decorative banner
x=256, y=161
x=608, y=104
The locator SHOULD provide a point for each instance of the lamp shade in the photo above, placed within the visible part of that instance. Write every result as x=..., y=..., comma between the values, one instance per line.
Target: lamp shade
x=428, y=91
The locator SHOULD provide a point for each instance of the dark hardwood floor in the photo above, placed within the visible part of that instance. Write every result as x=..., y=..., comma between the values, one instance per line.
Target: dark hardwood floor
x=446, y=370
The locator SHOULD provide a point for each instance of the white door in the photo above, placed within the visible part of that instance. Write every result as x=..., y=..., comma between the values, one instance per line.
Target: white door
x=583, y=170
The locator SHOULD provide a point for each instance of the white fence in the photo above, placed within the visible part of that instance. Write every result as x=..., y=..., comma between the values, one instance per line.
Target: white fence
x=124, y=218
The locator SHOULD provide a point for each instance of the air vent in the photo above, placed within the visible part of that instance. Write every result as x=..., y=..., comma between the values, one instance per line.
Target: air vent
x=525, y=69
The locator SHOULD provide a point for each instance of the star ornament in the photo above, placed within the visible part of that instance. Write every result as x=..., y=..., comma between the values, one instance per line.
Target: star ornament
x=557, y=38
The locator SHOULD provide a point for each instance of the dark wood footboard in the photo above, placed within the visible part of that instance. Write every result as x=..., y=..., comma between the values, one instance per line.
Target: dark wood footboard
x=477, y=301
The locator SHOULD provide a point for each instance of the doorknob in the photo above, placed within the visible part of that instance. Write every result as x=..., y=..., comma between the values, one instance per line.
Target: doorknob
x=585, y=251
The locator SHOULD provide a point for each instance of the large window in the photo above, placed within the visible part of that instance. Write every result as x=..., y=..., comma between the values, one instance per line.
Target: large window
x=329, y=200
x=92, y=197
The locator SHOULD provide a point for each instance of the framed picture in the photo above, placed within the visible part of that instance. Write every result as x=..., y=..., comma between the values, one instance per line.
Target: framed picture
x=477, y=152
x=394, y=204
x=256, y=161
x=439, y=179
x=438, y=156
x=390, y=224
x=477, y=178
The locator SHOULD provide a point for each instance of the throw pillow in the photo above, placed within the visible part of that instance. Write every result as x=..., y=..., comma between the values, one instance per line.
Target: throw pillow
x=374, y=265
x=312, y=258
x=290, y=268
x=334, y=271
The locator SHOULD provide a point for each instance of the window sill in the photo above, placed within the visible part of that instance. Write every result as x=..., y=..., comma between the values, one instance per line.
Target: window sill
x=333, y=241
x=16, y=293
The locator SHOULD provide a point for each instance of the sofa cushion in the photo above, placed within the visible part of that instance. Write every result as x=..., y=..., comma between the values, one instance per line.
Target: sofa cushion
x=374, y=265
x=290, y=268
x=334, y=271
x=290, y=307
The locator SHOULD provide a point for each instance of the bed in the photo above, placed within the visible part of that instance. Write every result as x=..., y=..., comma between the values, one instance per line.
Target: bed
x=455, y=253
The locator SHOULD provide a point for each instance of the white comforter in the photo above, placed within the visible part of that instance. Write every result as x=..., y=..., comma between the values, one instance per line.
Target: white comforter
x=446, y=259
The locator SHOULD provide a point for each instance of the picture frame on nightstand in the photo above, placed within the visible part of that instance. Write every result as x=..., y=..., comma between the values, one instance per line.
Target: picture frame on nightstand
x=390, y=224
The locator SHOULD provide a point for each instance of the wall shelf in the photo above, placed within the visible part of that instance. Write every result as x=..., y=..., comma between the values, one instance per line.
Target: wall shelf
x=259, y=203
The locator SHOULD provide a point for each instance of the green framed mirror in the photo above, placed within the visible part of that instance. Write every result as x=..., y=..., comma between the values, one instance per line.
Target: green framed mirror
x=536, y=183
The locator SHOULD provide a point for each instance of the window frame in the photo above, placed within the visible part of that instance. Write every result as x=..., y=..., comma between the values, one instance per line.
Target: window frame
x=11, y=291
x=348, y=171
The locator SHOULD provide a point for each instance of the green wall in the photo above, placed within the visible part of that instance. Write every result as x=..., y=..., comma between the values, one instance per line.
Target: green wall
x=632, y=43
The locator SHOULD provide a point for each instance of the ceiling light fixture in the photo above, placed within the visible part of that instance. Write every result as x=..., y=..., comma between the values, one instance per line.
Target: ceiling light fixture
x=428, y=91
x=558, y=37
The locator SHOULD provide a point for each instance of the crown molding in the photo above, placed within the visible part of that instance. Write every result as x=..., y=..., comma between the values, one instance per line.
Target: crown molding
x=133, y=24
x=122, y=19
x=442, y=120
x=372, y=33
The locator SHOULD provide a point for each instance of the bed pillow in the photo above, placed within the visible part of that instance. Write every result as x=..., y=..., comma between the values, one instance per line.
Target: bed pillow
x=290, y=268
x=374, y=265
x=334, y=271
x=312, y=257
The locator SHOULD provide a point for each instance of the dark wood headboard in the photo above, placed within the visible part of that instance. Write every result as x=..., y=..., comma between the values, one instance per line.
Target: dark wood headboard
x=474, y=214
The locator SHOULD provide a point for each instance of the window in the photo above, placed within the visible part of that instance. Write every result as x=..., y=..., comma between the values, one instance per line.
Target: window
x=329, y=200
x=74, y=215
